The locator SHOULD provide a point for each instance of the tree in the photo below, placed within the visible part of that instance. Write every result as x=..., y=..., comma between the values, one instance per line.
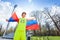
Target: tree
x=48, y=12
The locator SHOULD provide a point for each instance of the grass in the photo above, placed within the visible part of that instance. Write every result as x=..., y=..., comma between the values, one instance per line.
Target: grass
x=45, y=38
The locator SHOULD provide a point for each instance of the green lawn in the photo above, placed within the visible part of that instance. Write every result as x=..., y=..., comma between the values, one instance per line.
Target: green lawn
x=45, y=38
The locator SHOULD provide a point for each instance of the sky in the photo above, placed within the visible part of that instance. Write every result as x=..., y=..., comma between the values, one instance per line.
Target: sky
x=30, y=5
x=6, y=7
x=36, y=3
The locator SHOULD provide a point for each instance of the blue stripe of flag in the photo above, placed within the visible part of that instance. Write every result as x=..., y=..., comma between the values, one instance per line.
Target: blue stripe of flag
x=11, y=20
x=31, y=22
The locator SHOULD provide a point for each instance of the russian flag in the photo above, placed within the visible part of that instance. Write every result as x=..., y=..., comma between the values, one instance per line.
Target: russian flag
x=30, y=25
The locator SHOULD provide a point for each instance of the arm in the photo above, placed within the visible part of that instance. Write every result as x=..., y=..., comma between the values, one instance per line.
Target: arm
x=10, y=20
x=31, y=18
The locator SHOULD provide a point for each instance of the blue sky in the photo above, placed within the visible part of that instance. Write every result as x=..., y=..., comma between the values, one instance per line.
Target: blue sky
x=36, y=3
x=31, y=5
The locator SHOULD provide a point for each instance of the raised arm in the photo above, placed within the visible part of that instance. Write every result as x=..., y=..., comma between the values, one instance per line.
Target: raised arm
x=31, y=18
x=11, y=20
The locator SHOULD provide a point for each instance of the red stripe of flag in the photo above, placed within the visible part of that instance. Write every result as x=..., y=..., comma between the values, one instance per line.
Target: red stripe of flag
x=32, y=27
x=14, y=16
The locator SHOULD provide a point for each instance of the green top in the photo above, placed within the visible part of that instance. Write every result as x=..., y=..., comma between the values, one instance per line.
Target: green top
x=22, y=24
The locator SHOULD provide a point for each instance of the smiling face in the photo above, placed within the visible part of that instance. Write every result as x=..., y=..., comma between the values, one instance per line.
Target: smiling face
x=23, y=14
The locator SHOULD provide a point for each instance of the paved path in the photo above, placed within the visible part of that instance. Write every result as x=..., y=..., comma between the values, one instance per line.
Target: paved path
x=4, y=39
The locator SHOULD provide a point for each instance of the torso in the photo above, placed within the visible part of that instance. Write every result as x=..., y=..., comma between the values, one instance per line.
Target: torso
x=22, y=24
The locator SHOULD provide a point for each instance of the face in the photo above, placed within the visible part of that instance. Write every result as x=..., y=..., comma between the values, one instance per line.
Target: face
x=24, y=15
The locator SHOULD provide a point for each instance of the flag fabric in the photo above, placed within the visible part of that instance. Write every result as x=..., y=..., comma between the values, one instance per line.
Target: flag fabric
x=30, y=25
x=13, y=18
x=31, y=22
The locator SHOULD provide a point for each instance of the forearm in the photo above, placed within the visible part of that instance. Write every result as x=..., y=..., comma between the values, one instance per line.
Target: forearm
x=10, y=20
x=31, y=18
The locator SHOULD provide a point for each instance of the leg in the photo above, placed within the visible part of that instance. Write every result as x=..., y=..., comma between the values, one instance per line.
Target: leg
x=17, y=35
x=28, y=38
x=23, y=35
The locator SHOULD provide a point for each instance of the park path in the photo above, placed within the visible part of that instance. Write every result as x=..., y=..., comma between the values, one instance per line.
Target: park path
x=4, y=38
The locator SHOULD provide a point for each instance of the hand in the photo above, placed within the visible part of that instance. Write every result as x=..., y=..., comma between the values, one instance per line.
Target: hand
x=33, y=18
x=6, y=19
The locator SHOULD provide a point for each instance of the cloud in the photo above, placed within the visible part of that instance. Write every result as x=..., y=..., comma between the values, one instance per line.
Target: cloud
x=26, y=9
x=19, y=11
x=5, y=12
x=55, y=10
x=5, y=9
